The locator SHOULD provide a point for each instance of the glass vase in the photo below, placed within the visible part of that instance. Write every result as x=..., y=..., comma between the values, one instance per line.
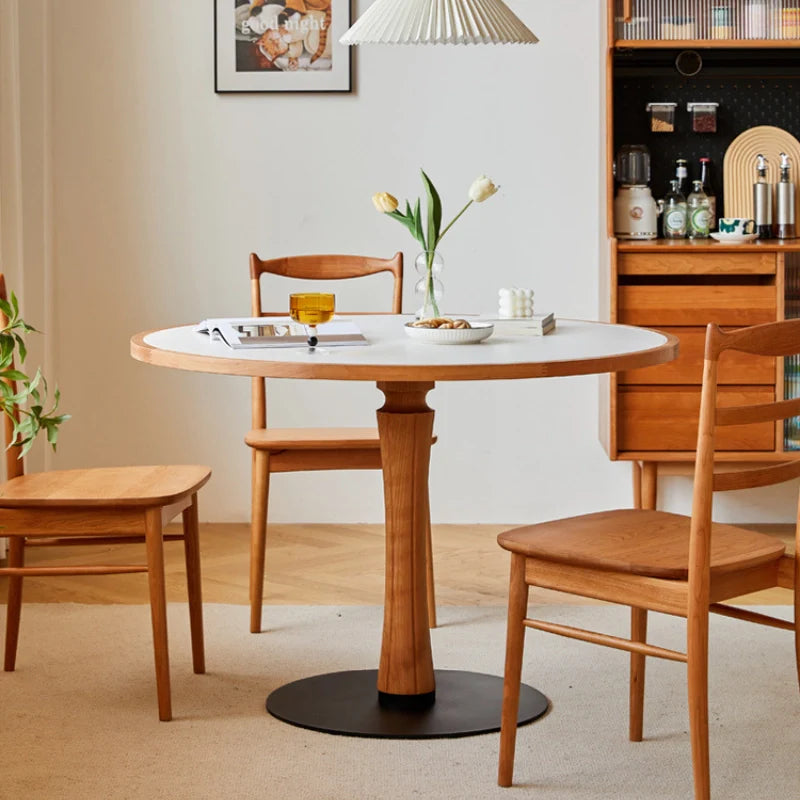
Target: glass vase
x=429, y=289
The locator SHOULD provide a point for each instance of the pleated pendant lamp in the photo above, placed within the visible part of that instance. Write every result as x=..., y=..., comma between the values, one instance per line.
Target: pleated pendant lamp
x=439, y=22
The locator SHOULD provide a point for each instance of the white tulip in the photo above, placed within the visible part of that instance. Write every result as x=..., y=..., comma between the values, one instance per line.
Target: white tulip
x=481, y=189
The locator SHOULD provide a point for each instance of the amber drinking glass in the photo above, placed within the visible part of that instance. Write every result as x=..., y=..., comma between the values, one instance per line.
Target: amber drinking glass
x=312, y=309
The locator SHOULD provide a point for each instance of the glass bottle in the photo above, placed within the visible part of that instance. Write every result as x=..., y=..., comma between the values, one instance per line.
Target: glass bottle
x=682, y=174
x=698, y=207
x=762, y=199
x=707, y=179
x=784, y=196
x=675, y=212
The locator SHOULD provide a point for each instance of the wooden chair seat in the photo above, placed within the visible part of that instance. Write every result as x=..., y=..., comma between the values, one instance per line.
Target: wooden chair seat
x=104, y=486
x=639, y=542
x=277, y=439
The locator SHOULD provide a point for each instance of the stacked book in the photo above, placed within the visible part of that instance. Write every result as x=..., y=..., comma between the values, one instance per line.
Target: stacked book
x=536, y=325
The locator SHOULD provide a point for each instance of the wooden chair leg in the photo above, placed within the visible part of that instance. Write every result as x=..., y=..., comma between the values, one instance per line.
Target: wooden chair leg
x=430, y=586
x=649, y=485
x=258, y=535
x=637, y=484
x=697, y=650
x=515, y=640
x=16, y=558
x=638, y=661
x=191, y=545
x=158, y=608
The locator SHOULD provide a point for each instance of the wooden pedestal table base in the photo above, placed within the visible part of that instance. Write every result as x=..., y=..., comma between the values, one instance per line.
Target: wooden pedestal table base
x=405, y=698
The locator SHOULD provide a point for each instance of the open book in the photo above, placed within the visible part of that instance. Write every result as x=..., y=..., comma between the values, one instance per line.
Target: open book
x=278, y=332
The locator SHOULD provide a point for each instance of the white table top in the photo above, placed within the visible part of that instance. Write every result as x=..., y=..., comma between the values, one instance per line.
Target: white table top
x=575, y=347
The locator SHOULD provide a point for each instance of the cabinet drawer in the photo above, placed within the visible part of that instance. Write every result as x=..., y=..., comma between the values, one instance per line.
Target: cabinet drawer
x=666, y=418
x=734, y=367
x=696, y=263
x=736, y=304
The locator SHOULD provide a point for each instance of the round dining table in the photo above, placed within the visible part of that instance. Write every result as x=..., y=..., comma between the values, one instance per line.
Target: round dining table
x=406, y=697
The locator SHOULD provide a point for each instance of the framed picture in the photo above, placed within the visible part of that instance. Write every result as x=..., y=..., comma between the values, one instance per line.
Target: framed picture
x=281, y=46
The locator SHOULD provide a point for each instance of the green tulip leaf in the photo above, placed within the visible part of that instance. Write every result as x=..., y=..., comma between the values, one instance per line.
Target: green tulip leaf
x=434, y=212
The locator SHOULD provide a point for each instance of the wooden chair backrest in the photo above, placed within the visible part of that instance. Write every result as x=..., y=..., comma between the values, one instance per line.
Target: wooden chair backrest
x=14, y=465
x=315, y=267
x=776, y=339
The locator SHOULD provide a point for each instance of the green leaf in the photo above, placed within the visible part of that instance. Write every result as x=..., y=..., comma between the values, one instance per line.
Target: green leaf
x=7, y=342
x=403, y=220
x=434, y=212
x=13, y=375
x=52, y=434
x=37, y=379
x=23, y=350
x=419, y=234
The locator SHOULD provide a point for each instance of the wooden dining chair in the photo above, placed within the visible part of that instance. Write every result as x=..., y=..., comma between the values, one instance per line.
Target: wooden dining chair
x=309, y=449
x=102, y=506
x=646, y=559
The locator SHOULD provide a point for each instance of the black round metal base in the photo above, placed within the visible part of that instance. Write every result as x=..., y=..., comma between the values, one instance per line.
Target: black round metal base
x=346, y=703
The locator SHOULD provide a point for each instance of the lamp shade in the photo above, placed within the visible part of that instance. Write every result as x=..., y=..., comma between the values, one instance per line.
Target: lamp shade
x=438, y=22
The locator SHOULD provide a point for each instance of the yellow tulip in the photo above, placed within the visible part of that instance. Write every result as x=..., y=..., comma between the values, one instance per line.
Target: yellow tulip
x=385, y=202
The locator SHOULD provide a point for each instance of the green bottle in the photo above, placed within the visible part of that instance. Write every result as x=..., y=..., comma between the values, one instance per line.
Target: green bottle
x=699, y=212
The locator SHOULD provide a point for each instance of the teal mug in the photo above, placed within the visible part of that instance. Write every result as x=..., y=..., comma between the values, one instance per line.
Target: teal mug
x=734, y=226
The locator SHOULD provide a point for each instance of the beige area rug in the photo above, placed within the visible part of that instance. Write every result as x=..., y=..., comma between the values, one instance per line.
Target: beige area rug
x=78, y=717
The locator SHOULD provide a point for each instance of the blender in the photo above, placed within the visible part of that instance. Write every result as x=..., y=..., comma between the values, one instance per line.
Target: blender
x=635, y=210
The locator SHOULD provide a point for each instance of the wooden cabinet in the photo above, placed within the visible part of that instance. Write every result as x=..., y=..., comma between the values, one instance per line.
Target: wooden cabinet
x=649, y=416
x=680, y=287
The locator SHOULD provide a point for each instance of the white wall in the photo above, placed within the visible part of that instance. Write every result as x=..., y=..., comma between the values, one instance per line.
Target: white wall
x=159, y=188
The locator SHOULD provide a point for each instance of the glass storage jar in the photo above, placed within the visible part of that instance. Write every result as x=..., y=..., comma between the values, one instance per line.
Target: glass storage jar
x=662, y=117
x=722, y=22
x=677, y=27
x=704, y=117
x=790, y=27
x=756, y=20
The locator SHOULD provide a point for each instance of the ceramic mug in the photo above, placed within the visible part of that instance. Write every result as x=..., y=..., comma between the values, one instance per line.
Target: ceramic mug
x=734, y=226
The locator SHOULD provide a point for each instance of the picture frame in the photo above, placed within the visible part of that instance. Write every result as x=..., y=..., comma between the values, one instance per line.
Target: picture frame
x=281, y=46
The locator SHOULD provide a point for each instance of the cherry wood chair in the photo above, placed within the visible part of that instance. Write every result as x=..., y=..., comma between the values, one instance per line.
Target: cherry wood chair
x=309, y=449
x=103, y=506
x=646, y=559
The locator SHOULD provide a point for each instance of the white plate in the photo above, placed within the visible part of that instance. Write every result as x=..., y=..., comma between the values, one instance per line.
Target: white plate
x=734, y=238
x=477, y=333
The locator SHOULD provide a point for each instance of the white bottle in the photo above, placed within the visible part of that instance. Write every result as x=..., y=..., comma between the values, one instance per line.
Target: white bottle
x=675, y=213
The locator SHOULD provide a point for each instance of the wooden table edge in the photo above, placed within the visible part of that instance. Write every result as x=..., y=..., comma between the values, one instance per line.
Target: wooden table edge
x=660, y=354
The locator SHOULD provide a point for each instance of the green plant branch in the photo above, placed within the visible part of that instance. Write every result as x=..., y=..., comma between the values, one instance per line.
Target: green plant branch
x=25, y=406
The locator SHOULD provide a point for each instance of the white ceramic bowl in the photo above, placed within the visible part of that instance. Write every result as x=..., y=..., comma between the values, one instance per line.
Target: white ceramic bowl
x=477, y=333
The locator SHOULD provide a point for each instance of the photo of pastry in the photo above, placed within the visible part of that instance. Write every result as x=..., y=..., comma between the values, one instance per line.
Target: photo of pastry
x=281, y=46
x=290, y=38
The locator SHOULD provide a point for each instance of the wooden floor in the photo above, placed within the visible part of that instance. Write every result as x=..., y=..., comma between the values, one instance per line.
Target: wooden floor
x=311, y=565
